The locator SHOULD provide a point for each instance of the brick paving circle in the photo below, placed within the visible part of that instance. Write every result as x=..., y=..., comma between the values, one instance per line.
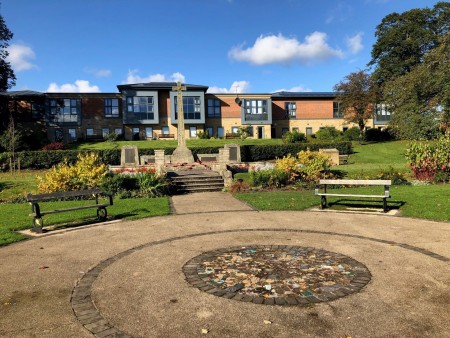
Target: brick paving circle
x=276, y=274
x=90, y=317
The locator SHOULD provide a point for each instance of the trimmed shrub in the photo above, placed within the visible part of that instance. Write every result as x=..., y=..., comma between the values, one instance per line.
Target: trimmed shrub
x=328, y=133
x=272, y=178
x=293, y=137
x=352, y=134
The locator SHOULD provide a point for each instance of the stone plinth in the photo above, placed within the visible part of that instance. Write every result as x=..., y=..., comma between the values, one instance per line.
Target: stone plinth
x=333, y=154
x=182, y=155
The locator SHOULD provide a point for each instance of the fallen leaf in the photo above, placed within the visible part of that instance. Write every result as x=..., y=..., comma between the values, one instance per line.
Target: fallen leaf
x=204, y=331
x=267, y=322
x=43, y=267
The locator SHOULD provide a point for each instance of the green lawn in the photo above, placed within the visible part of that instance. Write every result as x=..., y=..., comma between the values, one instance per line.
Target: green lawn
x=428, y=201
x=374, y=157
x=12, y=186
x=161, y=144
x=15, y=216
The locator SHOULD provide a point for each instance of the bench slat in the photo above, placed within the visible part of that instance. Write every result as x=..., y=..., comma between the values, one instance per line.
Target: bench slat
x=356, y=182
x=349, y=195
x=70, y=209
x=63, y=194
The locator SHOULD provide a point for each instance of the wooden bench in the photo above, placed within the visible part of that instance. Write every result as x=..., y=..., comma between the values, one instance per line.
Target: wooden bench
x=162, y=136
x=231, y=135
x=323, y=184
x=37, y=214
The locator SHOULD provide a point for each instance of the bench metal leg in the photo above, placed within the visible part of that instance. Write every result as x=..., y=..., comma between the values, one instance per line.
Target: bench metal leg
x=38, y=224
x=323, y=202
x=102, y=214
x=385, y=209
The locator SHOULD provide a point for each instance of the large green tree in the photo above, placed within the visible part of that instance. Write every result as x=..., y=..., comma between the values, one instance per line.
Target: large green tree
x=404, y=39
x=356, y=95
x=420, y=99
x=7, y=77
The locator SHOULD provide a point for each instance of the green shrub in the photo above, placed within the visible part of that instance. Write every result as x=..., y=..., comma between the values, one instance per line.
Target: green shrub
x=352, y=134
x=203, y=134
x=328, y=133
x=272, y=178
x=429, y=158
x=151, y=184
x=293, y=137
x=313, y=165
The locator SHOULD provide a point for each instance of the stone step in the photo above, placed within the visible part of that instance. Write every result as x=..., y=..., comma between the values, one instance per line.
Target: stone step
x=197, y=182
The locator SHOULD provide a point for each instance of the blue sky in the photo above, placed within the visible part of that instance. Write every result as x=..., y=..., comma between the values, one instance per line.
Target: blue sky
x=253, y=46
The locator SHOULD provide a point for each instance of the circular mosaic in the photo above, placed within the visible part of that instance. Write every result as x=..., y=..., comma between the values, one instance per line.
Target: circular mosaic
x=276, y=274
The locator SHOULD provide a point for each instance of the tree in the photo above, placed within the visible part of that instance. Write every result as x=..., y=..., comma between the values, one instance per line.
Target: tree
x=420, y=99
x=7, y=77
x=404, y=39
x=356, y=95
x=11, y=139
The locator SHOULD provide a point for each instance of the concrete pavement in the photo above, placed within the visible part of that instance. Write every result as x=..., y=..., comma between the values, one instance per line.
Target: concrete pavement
x=126, y=279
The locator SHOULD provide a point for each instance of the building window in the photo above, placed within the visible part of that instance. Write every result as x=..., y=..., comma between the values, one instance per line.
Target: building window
x=295, y=130
x=210, y=131
x=118, y=131
x=337, y=113
x=64, y=110
x=111, y=107
x=135, y=133
x=213, y=108
x=105, y=132
x=291, y=109
x=256, y=110
x=382, y=114
x=72, y=134
x=36, y=110
x=191, y=108
x=148, y=132
x=192, y=132
x=89, y=132
x=250, y=131
x=309, y=131
x=141, y=106
x=165, y=130
x=220, y=132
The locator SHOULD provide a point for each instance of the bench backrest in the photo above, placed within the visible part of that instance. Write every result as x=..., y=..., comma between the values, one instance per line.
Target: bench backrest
x=62, y=194
x=357, y=182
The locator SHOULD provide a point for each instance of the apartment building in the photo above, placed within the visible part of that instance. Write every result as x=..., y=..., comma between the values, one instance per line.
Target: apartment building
x=149, y=110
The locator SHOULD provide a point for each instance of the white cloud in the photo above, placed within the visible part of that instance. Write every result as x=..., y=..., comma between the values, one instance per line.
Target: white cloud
x=279, y=49
x=20, y=56
x=236, y=87
x=134, y=77
x=80, y=86
x=295, y=89
x=354, y=43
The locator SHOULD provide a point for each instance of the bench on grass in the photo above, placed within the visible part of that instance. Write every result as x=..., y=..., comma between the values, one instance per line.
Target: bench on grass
x=343, y=159
x=163, y=136
x=37, y=214
x=323, y=184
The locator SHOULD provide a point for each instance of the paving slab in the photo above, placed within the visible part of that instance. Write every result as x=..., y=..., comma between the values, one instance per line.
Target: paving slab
x=126, y=278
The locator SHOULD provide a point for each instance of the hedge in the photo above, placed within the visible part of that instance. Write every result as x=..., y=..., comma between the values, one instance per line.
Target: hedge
x=249, y=153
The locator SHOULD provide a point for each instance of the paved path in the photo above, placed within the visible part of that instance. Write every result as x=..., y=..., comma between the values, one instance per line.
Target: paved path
x=125, y=278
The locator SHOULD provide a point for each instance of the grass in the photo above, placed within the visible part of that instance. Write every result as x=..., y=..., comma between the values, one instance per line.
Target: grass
x=427, y=202
x=161, y=144
x=12, y=186
x=368, y=159
x=15, y=216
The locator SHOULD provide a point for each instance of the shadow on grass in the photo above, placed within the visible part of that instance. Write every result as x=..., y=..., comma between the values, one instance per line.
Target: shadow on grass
x=343, y=204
